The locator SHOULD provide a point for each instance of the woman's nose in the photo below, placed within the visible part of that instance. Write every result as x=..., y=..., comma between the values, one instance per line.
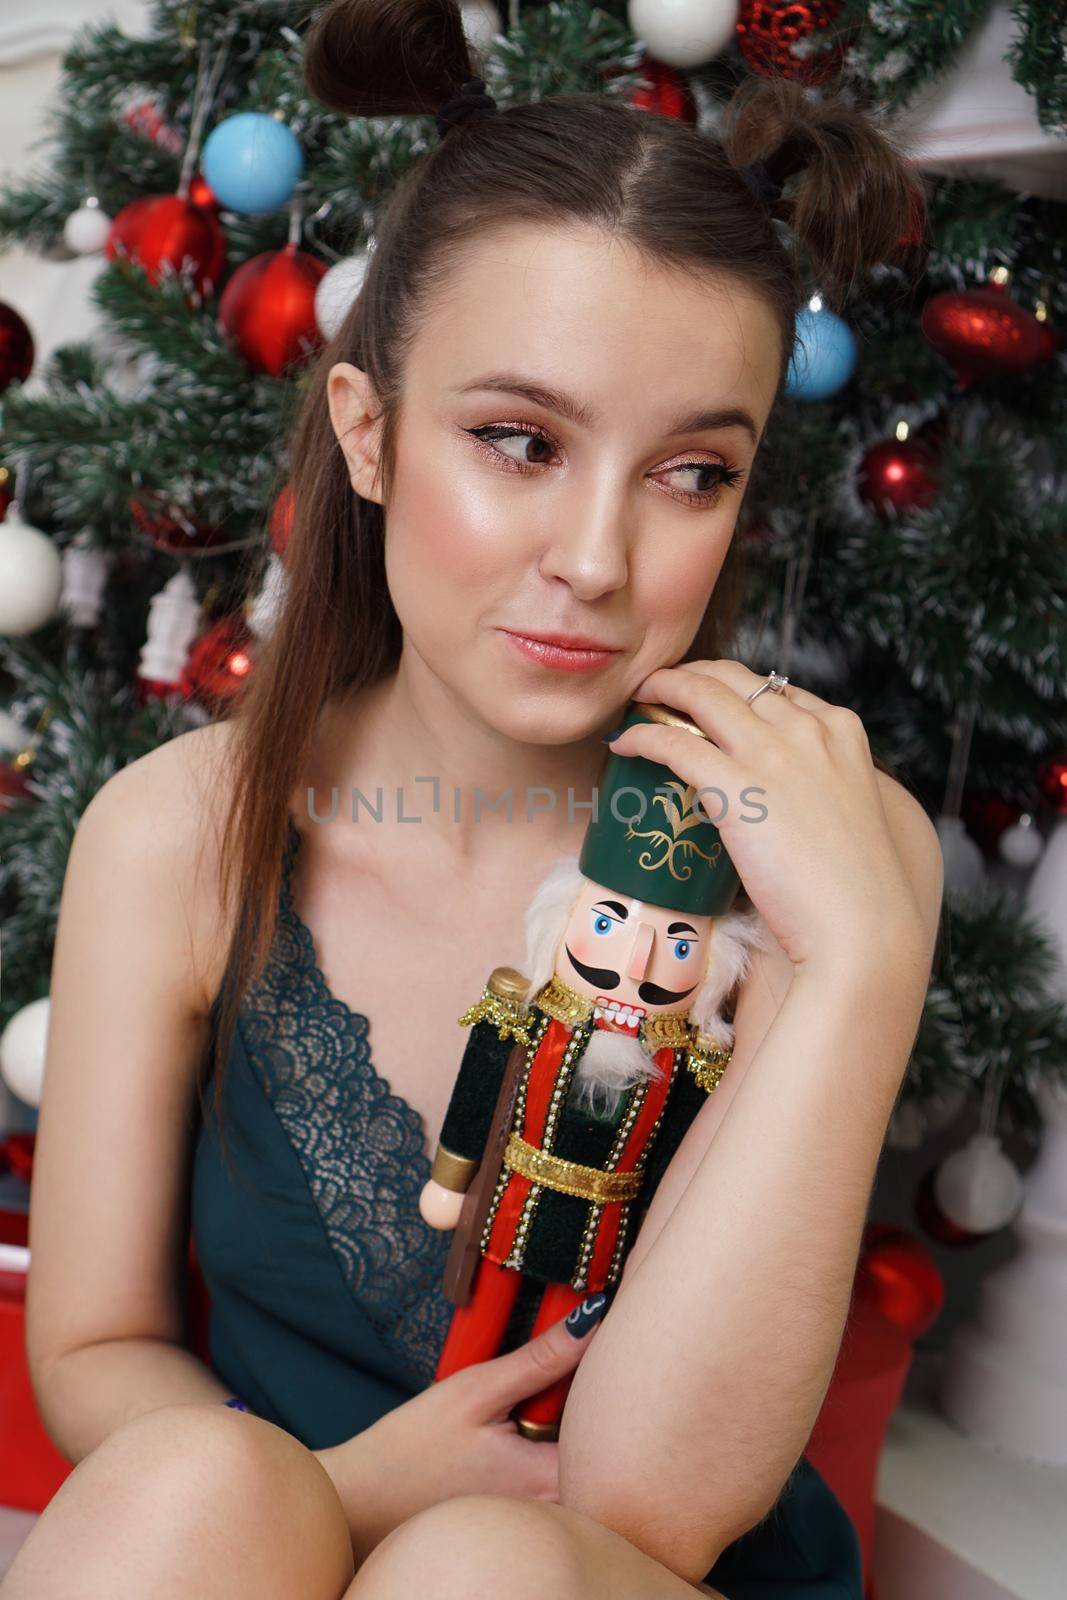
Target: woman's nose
x=590, y=550
x=640, y=952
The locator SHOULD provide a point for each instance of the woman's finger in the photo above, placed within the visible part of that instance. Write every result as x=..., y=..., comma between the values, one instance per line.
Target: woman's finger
x=698, y=762
x=718, y=709
x=770, y=705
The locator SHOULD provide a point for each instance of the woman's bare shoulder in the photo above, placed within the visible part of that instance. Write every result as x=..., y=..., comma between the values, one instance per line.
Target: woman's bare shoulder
x=161, y=817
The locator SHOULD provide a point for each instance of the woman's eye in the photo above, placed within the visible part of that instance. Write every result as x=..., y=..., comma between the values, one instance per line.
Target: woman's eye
x=722, y=477
x=493, y=435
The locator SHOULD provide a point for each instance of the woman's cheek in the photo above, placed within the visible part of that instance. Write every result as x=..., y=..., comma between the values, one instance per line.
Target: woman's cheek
x=459, y=540
x=679, y=583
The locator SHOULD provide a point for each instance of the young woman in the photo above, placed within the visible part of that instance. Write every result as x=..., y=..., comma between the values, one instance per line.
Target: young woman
x=536, y=424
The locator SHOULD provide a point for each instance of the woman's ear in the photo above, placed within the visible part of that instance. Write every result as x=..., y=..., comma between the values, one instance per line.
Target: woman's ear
x=356, y=421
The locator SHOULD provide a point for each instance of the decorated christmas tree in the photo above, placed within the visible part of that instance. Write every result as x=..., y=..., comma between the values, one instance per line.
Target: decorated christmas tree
x=903, y=545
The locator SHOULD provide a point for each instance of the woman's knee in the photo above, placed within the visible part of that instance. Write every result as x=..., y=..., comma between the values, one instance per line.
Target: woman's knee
x=235, y=1454
x=183, y=1476
x=477, y=1544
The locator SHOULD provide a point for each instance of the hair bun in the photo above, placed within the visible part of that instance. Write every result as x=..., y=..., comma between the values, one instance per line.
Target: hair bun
x=855, y=202
x=375, y=58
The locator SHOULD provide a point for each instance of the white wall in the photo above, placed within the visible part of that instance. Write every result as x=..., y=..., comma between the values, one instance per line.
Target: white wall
x=49, y=295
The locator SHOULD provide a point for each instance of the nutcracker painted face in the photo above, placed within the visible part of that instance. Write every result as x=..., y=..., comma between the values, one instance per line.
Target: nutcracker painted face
x=630, y=957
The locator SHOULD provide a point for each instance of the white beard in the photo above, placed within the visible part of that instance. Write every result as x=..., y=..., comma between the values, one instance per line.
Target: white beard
x=611, y=1064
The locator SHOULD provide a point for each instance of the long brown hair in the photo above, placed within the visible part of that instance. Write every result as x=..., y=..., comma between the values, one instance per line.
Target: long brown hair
x=672, y=192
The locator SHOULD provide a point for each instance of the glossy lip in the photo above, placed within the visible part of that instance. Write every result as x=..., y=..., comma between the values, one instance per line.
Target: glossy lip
x=567, y=657
x=566, y=641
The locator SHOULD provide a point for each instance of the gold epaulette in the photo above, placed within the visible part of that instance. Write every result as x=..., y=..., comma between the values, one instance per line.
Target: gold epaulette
x=707, y=1063
x=501, y=1004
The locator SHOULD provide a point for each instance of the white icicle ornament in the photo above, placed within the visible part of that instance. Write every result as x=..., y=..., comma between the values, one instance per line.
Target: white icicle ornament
x=84, y=576
x=173, y=623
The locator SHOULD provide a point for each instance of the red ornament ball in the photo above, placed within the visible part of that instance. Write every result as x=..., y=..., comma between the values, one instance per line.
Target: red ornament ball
x=268, y=308
x=16, y=348
x=220, y=663
x=900, y=1278
x=167, y=525
x=1052, y=781
x=669, y=93
x=202, y=194
x=164, y=233
x=16, y=1156
x=281, y=522
x=984, y=333
x=898, y=476
x=987, y=816
x=791, y=39
x=14, y=785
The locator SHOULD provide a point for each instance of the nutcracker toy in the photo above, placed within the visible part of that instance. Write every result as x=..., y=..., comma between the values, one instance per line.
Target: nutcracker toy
x=581, y=1076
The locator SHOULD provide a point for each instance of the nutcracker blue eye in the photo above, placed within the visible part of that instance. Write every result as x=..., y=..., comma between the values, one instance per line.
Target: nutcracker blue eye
x=681, y=948
x=603, y=921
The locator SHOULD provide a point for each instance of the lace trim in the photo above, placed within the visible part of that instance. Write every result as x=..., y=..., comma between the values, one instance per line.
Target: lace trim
x=362, y=1147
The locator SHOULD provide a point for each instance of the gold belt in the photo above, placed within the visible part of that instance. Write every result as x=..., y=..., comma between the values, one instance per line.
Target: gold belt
x=570, y=1177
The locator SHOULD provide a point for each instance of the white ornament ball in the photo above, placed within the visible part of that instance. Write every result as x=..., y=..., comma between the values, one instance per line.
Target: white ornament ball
x=336, y=291
x=22, y=1051
x=964, y=867
x=1022, y=843
x=481, y=23
x=684, y=33
x=86, y=229
x=31, y=577
x=977, y=1187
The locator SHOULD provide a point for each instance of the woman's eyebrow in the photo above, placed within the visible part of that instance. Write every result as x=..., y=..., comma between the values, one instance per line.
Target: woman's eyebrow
x=566, y=405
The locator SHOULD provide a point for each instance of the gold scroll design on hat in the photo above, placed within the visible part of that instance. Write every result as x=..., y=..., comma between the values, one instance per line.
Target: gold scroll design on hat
x=682, y=818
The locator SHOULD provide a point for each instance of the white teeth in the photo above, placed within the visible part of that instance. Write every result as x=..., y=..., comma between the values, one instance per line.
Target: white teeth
x=623, y=1016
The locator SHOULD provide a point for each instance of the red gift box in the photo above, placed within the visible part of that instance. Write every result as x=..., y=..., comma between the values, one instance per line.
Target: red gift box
x=31, y=1468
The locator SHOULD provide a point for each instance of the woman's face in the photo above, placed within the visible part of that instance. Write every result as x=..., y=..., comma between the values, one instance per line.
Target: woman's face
x=577, y=427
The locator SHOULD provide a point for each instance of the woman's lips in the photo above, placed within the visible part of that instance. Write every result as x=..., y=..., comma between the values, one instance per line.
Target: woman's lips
x=554, y=655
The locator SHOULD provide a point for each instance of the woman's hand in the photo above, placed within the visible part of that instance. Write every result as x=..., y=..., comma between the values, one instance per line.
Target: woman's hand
x=455, y=1438
x=800, y=812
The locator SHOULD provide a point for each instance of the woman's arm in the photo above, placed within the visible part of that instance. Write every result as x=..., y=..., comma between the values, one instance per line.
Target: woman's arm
x=108, y=1215
x=686, y=1417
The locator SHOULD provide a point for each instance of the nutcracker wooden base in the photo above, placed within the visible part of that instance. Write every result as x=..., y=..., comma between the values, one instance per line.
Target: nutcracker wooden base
x=477, y=1331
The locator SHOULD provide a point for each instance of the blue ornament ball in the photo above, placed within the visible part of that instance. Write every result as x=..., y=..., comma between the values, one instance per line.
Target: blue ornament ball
x=824, y=355
x=252, y=162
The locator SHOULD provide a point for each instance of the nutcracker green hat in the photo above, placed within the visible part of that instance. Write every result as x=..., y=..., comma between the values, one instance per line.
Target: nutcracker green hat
x=649, y=839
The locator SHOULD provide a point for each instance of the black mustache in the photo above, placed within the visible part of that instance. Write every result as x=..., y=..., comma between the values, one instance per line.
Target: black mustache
x=606, y=978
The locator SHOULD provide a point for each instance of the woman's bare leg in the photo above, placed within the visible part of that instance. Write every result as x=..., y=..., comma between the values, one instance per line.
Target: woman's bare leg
x=189, y=1500
x=524, y=1549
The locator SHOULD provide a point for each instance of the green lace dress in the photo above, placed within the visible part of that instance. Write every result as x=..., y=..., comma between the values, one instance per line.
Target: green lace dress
x=325, y=1283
